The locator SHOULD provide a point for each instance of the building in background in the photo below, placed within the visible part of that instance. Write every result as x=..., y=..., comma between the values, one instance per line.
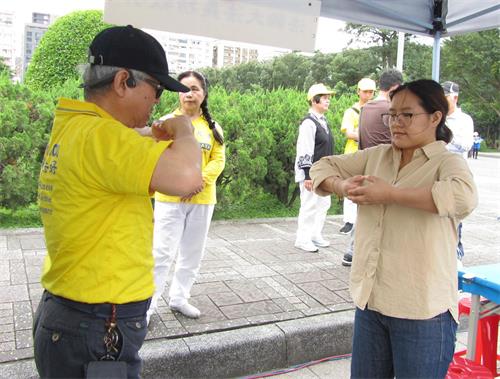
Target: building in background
x=230, y=54
x=7, y=39
x=33, y=33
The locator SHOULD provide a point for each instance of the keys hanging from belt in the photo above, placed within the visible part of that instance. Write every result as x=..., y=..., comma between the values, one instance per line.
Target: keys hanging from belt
x=111, y=338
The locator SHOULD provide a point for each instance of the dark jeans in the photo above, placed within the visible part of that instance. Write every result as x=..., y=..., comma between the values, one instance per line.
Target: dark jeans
x=384, y=347
x=67, y=339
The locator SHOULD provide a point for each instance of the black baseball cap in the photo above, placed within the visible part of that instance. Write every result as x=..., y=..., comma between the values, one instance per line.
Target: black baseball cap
x=128, y=47
x=451, y=88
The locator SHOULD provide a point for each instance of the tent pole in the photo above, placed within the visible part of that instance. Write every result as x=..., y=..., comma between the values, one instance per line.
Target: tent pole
x=401, y=51
x=436, y=56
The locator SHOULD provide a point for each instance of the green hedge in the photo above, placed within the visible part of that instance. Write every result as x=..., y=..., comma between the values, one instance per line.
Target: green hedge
x=260, y=129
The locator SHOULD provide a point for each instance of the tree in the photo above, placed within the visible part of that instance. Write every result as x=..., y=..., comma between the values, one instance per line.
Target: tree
x=4, y=68
x=62, y=48
x=472, y=60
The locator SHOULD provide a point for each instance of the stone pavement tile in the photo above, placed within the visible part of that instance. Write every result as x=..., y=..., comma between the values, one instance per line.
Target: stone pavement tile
x=18, y=292
x=250, y=309
x=6, y=254
x=17, y=271
x=23, y=318
x=209, y=312
x=7, y=337
x=209, y=288
x=309, y=301
x=217, y=277
x=345, y=294
x=5, y=271
x=3, y=241
x=6, y=328
x=335, y=284
x=262, y=319
x=217, y=326
x=33, y=260
x=13, y=242
x=278, y=287
x=292, y=315
x=157, y=329
x=6, y=310
x=315, y=311
x=289, y=268
x=209, y=264
x=321, y=294
x=24, y=339
x=341, y=307
x=312, y=276
x=292, y=289
x=263, y=256
x=33, y=273
x=14, y=355
x=35, y=291
x=256, y=271
x=8, y=345
x=225, y=298
x=31, y=242
x=271, y=292
x=6, y=320
x=286, y=305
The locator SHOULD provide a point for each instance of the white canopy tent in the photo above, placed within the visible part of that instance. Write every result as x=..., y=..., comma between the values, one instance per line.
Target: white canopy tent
x=292, y=23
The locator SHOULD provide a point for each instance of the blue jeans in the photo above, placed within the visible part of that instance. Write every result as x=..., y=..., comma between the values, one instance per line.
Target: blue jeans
x=67, y=339
x=384, y=347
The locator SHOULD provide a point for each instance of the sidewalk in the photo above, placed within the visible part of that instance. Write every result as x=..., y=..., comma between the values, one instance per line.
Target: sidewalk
x=264, y=304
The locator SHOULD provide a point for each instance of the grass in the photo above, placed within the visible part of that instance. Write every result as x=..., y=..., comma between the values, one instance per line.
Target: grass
x=262, y=206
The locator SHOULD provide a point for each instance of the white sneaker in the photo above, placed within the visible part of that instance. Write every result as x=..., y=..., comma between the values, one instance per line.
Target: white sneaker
x=307, y=246
x=320, y=242
x=187, y=310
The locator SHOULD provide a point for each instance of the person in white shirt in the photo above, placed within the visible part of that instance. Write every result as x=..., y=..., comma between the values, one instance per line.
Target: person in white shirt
x=314, y=141
x=462, y=127
x=458, y=122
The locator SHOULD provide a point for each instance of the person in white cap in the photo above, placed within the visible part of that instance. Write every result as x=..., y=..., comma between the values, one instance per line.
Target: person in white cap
x=462, y=127
x=314, y=141
x=350, y=122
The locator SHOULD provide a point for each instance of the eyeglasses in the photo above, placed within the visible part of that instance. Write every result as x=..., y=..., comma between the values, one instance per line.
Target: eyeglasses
x=157, y=86
x=403, y=118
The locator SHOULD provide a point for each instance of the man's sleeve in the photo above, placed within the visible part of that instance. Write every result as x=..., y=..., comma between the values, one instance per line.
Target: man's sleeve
x=305, y=146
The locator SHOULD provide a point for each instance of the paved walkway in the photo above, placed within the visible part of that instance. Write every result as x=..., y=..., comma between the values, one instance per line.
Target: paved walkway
x=251, y=274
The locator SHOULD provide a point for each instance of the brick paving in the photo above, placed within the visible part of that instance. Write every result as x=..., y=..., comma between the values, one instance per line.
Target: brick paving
x=251, y=273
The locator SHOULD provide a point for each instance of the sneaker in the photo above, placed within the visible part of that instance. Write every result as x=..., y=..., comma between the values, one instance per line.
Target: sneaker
x=187, y=310
x=346, y=229
x=308, y=246
x=320, y=242
x=347, y=260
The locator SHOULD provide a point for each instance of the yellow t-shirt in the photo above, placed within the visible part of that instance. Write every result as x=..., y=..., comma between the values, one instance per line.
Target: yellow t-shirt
x=94, y=201
x=213, y=159
x=350, y=122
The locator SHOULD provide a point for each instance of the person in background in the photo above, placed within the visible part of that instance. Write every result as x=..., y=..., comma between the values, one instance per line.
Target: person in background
x=95, y=182
x=181, y=223
x=476, y=145
x=314, y=141
x=350, y=122
x=410, y=195
x=372, y=131
x=462, y=127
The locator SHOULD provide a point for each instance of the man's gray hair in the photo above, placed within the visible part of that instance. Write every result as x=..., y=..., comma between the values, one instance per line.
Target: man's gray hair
x=95, y=78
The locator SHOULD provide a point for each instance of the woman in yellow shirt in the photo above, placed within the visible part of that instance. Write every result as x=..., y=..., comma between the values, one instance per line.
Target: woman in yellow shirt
x=181, y=223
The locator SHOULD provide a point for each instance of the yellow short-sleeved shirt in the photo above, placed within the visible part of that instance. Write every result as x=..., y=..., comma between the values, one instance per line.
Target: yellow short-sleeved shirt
x=94, y=200
x=350, y=122
x=213, y=158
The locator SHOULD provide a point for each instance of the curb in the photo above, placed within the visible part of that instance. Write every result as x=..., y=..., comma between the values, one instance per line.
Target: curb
x=234, y=353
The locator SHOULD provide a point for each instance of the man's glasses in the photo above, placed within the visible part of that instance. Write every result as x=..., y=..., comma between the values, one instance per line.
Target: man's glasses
x=157, y=86
x=404, y=118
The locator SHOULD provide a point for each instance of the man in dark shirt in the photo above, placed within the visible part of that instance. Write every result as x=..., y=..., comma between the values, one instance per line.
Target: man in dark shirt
x=372, y=131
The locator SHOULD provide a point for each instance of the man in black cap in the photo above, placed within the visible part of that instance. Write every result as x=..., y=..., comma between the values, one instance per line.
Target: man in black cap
x=95, y=183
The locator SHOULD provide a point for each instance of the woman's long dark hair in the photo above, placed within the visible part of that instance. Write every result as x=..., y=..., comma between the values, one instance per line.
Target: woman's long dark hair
x=432, y=99
x=204, y=105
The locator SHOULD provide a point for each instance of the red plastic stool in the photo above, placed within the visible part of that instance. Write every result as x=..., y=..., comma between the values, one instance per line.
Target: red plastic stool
x=487, y=338
x=461, y=368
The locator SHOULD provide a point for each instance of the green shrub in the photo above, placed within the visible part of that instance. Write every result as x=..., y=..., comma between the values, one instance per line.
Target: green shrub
x=62, y=48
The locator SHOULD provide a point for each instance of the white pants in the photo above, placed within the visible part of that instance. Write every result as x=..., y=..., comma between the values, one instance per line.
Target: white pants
x=312, y=215
x=182, y=228
x=350, y=211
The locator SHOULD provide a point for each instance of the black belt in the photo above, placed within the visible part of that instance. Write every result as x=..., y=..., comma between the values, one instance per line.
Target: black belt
x=103, y=310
